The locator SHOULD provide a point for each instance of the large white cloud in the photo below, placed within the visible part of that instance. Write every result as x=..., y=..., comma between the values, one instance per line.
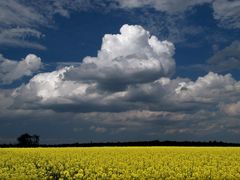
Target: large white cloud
x=51, y=91
x=51, y=88
x=12, y=70
x=133, y=56
x=130, y=58
x=132, y=71
x=210, y=88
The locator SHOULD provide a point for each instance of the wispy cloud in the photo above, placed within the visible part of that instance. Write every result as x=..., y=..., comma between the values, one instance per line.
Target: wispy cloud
x=20, y=20
x=18, y=23
x=222, y=61
x=169, y=6
x=226, y=59
x=19, y=37
x=227, y=12
x=24, y=18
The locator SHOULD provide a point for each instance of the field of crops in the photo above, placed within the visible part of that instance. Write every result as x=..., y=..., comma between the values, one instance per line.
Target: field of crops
x=120, y=163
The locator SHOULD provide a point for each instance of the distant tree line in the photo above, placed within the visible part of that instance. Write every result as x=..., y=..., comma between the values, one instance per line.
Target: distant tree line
x=150, y=143
x=26, y=140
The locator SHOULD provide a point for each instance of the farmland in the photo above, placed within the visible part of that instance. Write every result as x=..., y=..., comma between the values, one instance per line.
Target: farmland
x=120, y=163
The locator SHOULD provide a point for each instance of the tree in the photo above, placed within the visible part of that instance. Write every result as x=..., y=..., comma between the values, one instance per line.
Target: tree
x=35, y=140
x=28, y=140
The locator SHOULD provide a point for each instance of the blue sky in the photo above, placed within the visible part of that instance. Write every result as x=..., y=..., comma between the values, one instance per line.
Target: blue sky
x=110, y=70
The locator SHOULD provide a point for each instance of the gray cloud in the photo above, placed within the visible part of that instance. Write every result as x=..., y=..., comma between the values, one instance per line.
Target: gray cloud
x=13, y=70
x=226, y=59
x=98, y=129
x=51, y=91
x=227, y=12
x=177, y=107
x=232, y=109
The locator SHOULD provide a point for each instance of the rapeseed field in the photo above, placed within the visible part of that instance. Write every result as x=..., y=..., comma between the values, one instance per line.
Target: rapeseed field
x=120, y=163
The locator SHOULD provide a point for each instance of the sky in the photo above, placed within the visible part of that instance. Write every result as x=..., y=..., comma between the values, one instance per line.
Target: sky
x=120, y=70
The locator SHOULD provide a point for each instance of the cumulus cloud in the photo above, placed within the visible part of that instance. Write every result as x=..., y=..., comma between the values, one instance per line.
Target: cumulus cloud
x=50, y=87
x=164, y=107
x=13, y=70
x=133, y=56
x=52, y=91
x=127, y=59
x=210, y=88
x=131, y=72
x=185, y=95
